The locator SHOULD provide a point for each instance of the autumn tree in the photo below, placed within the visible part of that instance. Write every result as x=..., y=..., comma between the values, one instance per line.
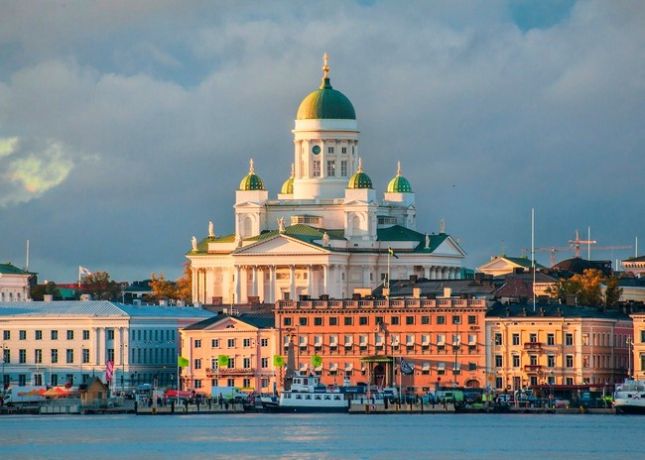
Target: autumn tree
x=612, y=292
x=100, y=286
x=185, y=285
x=585, y=288
x=162, y=289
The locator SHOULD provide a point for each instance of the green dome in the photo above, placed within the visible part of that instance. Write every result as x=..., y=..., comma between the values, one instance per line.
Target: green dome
x=399, y=184
x=359, y=179
x=251, y=181
x=325, y=102
x=287, y=186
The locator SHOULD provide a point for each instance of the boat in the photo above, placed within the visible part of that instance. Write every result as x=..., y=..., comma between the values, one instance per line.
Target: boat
x=307, y=394
x=629, y=397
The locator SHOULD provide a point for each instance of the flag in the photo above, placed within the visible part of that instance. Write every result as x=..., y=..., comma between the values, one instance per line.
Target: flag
x=390, y=251
x=182, y=362
x=316, y=361
x=109, y=369
x=222, y=361
x=406, y=367
x=83, y=271
x=278, y=361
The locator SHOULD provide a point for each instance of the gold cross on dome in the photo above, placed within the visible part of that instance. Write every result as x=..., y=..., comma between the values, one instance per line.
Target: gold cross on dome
x=325, y=67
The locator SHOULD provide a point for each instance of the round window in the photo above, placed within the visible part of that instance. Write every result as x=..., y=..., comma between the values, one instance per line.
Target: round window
x=316, y=149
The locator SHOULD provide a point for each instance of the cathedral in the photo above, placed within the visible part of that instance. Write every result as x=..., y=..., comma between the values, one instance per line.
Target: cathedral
x=327, y=234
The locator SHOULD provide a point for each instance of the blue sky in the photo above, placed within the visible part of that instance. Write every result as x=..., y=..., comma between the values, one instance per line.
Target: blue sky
x=126, y=126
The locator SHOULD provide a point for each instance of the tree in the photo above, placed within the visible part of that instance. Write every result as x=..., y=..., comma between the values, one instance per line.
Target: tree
x=612, y=292
x=100, y=287
x=584, y=288
x=39, y=291
x=162, y=289
x=185, y=285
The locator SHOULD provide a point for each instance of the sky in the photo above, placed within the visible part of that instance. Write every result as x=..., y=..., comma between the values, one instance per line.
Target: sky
x=125, y=126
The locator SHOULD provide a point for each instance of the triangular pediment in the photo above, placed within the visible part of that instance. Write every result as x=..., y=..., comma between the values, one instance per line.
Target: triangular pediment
x=230, y=324
x=280, y=245
x=449, y=247
x=499, y=263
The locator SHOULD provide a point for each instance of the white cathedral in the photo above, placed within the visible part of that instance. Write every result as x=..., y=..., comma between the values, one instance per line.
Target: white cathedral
x=327, y=234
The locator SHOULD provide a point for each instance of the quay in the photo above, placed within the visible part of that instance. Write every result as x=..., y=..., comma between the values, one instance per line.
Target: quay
x=179, y=409
x=414, y=408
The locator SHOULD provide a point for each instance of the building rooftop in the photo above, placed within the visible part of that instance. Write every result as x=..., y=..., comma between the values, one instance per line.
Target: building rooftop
x=261, y=321
x=10, y=269
x=566, y=311
x=97, y=308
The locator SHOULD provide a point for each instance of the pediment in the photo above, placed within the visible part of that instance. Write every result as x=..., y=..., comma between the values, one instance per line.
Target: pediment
x=498, y=264
x=230, y=324
x=449, y=247
x=280, y=245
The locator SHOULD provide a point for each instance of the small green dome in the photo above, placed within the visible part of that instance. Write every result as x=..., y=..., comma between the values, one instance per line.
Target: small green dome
x=287, y=186
x=325, y=102
x=359, y=179
x=399, y=184
x=251, y=181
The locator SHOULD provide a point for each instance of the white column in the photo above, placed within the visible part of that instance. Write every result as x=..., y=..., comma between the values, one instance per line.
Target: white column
x=117, y=347
x=272, y=287
x=244, y=285
x=426, y=272
x=310, y=281
x=325, y=280
x=97, y=345
x=260, y=281
x=366, y=276
x=238, y=285
x=194, y=286
x=126, y=345
x=254, y=280
x=101, y=344
x=292, y=282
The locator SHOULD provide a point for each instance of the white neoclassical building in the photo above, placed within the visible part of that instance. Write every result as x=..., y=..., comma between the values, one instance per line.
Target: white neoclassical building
x=52, y=343
x=327, y=233
x=14, y=283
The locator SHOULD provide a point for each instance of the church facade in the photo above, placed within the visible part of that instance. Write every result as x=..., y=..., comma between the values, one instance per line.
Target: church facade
x=327, y=233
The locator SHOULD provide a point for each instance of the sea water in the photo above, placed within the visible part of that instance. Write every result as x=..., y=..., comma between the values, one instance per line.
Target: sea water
x=322, y=436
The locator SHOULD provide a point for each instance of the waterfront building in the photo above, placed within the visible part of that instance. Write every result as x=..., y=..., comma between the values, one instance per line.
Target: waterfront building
x=504, y=265
x=635, y=265
x=326, y=233
x=14, y=283
x=637, y=364
x=556, y=345
x=53, y=343
x=358, y=341
x=230, y=351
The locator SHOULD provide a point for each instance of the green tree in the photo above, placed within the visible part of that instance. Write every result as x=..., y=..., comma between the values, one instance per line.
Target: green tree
x=612, y=292
x=100, y=287
x=39, y=291
x=584, y=288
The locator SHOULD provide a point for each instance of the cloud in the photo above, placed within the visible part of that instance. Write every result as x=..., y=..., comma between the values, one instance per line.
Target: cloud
x=30, y=174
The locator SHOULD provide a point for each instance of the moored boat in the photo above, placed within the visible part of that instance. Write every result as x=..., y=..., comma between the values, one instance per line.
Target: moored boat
x=629, y=397
x=307, y=394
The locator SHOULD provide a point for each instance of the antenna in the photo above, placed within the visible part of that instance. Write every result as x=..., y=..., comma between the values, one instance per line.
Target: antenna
x=533, y=252
x=27, y=257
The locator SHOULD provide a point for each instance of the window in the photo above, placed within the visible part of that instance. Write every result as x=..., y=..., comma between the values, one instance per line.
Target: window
x=230, y=382
x=569, y=361
x=198, y=363
x=348, y=320
x=498, y=338
x=22, y=356
x=302, y=320
x=331, y=167
x=318, y=321
x=642, y=362
x=70, y=356
x=264, y=363
x=38, y=335
x=110, y=354
x=330, y=150
x=516, y=339
x=550, y=361
x=22, y=335
x=54, y=356
x=550, y=339
x=231, y=363
x=533, y=360
x=379, y=321
x=246, y=383
x=343, y=168
x=498, y=361
x=214, y=343
x=456, y=319
x=246, y=343
x=333, y=321
x=409, y=320
x=533, y=338
x=6, y=335
x=86, y=334
x=86, y=355
x=230, y=343
x=568, y=339
x=22, y=380
x=362, y=320
x=533, y=380
x=394, y=320
x=425, y=320
x=316, y=168
x=264, y=342
x=38, y=356
x=6, y=356
x=516, y=360
x=286, y=321
x=198, y=343
x=643, y=336
x=441, y=319
x=498, y=382
x=198, y=383
x=569, y=380
x=246, y=363
x=70, y=334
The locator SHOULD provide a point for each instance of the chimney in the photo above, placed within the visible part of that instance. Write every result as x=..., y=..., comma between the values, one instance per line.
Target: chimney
x=416, y=293
x=447, y=292
x=48, y=298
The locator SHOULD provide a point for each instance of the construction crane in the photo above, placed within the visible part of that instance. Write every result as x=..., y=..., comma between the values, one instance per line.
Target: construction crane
x=577, y=242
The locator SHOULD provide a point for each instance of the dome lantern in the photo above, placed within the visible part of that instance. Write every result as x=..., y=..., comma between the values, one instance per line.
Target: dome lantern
x=399, y=184
x=359, y=179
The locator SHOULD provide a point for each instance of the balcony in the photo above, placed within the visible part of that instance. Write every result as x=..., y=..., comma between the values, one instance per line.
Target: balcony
x=227, y=371
x=532, y=368
x=537, y=346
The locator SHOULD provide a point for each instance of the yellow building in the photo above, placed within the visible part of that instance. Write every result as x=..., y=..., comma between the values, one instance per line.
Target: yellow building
x=638, y=359
x=556, y=345
x=230, y=351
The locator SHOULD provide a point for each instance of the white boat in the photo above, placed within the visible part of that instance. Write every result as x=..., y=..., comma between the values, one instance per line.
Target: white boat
x=629, y=397
x=307, y=394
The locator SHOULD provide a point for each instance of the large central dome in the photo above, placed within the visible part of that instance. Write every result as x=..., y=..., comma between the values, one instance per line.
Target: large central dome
x=326, y=102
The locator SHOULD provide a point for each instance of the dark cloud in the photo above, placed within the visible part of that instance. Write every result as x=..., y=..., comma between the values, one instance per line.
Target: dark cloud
x=156, y=108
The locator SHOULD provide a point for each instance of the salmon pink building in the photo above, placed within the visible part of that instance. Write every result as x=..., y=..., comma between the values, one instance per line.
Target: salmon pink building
x=441, y=341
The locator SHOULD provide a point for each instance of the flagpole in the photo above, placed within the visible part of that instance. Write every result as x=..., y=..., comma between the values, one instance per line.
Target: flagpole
x=388, y=272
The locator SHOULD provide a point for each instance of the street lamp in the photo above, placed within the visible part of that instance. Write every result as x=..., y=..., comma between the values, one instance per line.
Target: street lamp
x=630, y=343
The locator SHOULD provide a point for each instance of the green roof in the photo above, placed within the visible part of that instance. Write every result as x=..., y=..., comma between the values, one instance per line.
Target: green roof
x=400, y=233
x=326, y=102
x=202, y=246
x=10, y=269
x=251, y=182
x=523, y=262
x=359, y=180
x=399, y=184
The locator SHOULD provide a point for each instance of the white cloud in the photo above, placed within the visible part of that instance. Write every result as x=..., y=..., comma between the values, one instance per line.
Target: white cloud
x=8, y=146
